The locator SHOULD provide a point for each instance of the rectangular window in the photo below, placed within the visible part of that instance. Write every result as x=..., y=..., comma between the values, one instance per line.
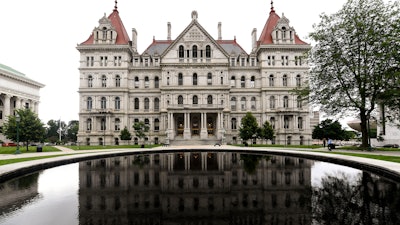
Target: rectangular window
x=253, y=62
x=242, y=62
x=232, y=61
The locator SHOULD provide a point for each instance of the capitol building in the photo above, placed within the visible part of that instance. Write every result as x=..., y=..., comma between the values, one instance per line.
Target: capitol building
x=193, y=89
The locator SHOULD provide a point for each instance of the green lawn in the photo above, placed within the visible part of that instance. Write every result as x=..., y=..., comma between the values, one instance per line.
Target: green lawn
x=22, y=149
x=98, y=147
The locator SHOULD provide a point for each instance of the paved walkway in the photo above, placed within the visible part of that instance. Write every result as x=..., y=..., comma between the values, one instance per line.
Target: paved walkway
x=66, y=155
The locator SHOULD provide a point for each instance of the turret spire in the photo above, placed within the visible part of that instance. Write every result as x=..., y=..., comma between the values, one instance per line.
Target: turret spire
x=272, y=6
x=116, y=7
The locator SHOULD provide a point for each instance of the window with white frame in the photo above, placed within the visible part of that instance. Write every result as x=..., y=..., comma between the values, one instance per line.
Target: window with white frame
x=298, y=80
x=156, y=104
x=103, y=81
x=90, y=81
x=156, y=124
x=136, y=104
x=117, y=103
x=300, y=122
x=272, y=102
x=299, y=102
x=103, y=103
x=233, y=124
x=89, y=124
x=243, y=81
x=233, y=104
x=89, y=103
x=253, y=103
x=117, y=81
x=146, y=82
x=117, y=124
x=285, y=80
x=209, y=79
x=243, y=103
x=285, y=102
x=271, y=80
x=136, y=82
x=146, y=104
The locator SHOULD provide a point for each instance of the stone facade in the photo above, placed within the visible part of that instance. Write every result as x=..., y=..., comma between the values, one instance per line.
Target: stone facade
x=16, y=92
x=194, y=89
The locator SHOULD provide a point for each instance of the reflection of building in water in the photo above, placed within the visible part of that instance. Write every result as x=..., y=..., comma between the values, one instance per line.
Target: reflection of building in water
x=195, y=188
x=17, y=193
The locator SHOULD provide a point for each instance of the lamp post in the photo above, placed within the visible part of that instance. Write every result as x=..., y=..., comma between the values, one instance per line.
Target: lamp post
x=17, y=120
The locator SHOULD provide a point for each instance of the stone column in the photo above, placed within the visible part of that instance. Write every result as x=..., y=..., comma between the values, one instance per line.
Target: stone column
x=7, y=106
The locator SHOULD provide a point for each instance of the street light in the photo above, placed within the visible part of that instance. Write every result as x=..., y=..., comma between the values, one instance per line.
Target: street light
x=17, y=120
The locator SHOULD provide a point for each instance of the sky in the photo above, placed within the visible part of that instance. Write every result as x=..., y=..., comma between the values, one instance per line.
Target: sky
x=39, y=38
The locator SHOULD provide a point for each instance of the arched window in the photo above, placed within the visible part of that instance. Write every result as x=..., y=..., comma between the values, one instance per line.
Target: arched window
x=180, y=79
x=90, y=81
x=298, y=80
x=233, y=104
x=103, y=81
x=233, y=124
x=253, y=103
x=272, y=121
x=89, y=124
x=271, y=80
x=156, y=124
x=195, y=79
x=103, y=103
x=194, y=51
x=286, y=122
x=181, y=52
x=243, y=103
x=180, y=100
x=89, y=103
x=252, y=81
x=156, y=104
x=136, y=82
x=146, y=82
x=209, y=99
x=156, y=82
x=117, y=81
x=146, y=104
x=117, y=124
x=286, y=102
x=195, y=100
x=285, y=80
x=272, y=102
x=242, y=82
x=209, y=79
x=136, y=104
x=147, y=122
x=299, y=102
x=233, y=81
x=117, y=103
x=208, y=51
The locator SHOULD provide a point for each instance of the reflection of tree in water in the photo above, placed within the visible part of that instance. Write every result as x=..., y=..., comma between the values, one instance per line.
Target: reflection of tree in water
x=250, y=162
x=366, y=201
x=141, y=160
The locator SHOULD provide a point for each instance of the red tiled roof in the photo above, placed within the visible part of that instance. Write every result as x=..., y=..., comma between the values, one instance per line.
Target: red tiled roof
x=122, y=35
x=266, y=37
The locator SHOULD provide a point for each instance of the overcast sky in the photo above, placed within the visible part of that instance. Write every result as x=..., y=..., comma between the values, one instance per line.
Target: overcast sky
x=39, y=38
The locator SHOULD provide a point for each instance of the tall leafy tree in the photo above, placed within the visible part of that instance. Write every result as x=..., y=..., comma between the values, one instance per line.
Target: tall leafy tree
x=355, y=61
x=72, y=130
x=329, y=129
x=248, y=127
x=266, y=131
x=125, y=135
x=140, y=129
x=30, y=128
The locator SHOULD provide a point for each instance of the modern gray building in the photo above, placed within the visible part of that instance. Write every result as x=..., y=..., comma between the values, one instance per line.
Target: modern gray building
x=193, y=89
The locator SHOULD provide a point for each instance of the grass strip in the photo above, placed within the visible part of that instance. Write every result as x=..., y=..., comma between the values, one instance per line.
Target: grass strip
x=388, y=158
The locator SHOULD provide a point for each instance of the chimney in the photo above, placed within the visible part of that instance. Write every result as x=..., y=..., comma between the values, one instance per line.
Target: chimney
x=134, y=39
x=254, y=39
x=219, y=31
x=169, y=31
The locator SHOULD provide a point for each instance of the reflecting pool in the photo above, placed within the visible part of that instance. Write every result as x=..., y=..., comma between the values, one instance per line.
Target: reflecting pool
x=200, y=188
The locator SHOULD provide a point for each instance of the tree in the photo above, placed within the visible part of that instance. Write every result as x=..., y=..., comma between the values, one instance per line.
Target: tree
x=266, y=131
x=248, y=127
x=125, y=135
x=355, y=61
x=51, y=131
x=140, y=130
x=329, y=129
x=30, y=128
x=72, y=130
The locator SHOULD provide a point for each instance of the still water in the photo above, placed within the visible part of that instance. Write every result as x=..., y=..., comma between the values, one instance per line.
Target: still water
x=200, y=188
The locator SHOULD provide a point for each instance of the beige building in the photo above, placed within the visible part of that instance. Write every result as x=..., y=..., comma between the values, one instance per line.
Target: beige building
x=17, y=91
x=193, y=89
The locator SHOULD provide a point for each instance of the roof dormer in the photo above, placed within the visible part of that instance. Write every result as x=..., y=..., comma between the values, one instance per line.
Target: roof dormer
x=105, y=33
x=283, y=33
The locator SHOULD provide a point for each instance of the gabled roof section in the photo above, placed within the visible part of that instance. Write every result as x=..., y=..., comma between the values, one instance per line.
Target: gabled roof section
x=192, y=24
x=122, y=35
x=266, y=34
